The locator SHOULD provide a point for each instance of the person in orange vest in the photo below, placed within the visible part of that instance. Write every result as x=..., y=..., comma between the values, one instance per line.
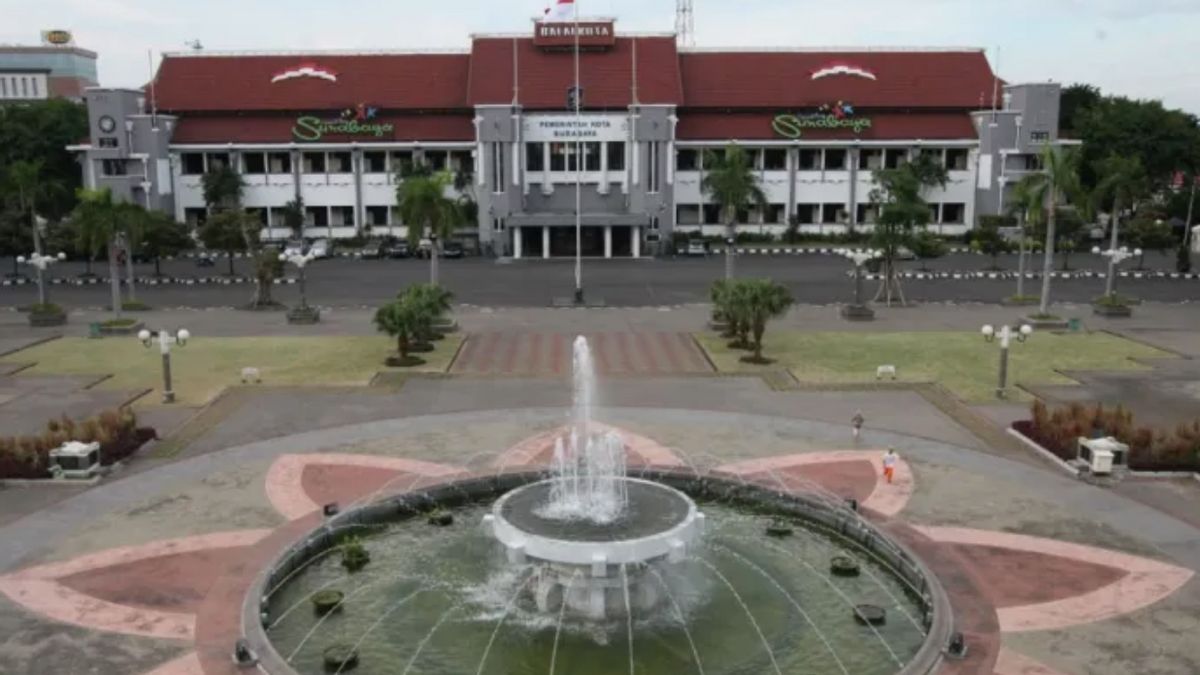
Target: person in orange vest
x=889, y=464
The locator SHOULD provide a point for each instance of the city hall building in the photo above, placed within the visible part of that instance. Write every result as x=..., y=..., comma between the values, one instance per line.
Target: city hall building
x=333, y=129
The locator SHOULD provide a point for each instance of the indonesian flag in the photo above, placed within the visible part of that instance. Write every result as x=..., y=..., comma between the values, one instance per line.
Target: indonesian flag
x=563, y=10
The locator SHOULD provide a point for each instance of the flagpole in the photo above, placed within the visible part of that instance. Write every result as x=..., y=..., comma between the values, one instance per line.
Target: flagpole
x=578, y=173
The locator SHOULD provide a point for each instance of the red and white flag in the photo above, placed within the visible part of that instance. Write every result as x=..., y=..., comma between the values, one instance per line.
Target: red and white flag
x=562, y=11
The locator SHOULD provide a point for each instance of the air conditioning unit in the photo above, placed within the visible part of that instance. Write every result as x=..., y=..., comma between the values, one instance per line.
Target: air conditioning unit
x=75, y=460
x=1103, y=455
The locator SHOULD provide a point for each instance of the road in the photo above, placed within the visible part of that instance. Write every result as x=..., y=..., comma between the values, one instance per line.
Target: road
x=813, y=279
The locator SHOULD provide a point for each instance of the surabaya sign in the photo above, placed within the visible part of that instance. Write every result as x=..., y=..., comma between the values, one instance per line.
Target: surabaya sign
x=356, y=121
x=838, y=116
x=562, y=34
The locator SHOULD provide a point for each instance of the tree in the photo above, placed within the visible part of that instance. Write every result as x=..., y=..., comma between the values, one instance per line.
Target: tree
x=436, y=301
x=1028, y=202
x=12, y=239
x=1165, y=141
x=755, y=302
x=222, y=188
x=428, y=212
x=225, y=231
x=1058, y=185
x=1149, y=234
x=731, y=181
x=899, y=196
x=927, y=246
x=1069, y=232
x=403, y=319
x=98, y=219
x=1075, y=99
x=990, y=241
x=1122, y=182
x=161, y=237
x=133, y=218
x=40, y=132
x=26, y=185
x=293, y=217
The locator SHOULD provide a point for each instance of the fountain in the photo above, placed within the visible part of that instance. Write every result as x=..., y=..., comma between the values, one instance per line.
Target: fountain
x=590, y=568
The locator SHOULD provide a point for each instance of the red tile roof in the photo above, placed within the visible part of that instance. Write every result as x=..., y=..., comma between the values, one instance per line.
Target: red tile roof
x=545, y=76
x=278, y=129
x=694, y=126
x=946, y=79
x=237, y=83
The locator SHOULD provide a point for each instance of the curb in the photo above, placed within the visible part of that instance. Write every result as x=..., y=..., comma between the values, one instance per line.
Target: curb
x=1054, y=459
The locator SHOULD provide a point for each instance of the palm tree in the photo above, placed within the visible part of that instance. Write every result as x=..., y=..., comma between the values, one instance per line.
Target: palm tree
x=1028, y=203
x=24, y=181
x=1058, y=183
x=98, y=219
x=428, y=212
x=293, y=217
x=903, y=211
x=1123, y=179
x=756, y=301
x=434, y=298
x=403, y=319
x=135, y=221
x=731, y=181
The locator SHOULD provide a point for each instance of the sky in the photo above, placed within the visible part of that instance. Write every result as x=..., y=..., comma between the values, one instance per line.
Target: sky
x=1138, y=48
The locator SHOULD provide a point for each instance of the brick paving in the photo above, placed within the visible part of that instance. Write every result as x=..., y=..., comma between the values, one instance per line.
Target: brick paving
x=550, y=354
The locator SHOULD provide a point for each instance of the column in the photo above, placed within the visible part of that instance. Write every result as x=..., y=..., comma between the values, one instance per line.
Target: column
x=636, y=241
x=608, y=241
x=603, y=168
x=516, y=235
x=547, y=187
x=545, y=241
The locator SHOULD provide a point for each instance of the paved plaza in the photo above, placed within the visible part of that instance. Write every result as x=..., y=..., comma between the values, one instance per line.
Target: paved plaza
x=145, y=572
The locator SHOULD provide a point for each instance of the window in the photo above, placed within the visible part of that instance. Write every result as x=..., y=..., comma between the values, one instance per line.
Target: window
x=894, y=157
x=591, y=156
x=402, y=161
x=616, y=155
x=24, y=87
x=652, y=168
x=956, y=159
x=870, y=159
x=193, y=163
x=217, y=160
x=774, y=214
x=35, y=88
x=314, y=162
x=712, y=214
x=754, y=158
x=806, y=214
x=954, y=213
x=833, y=213
x=835, y=159
x=108, y=142
x=341, y=215
x=497, y=224
x=436, y=160
x=375, y=162
x=3, y=87
x=279, y=162
x=258, y=214
x=113, y=167
x=278, y=218
x=654, y=224
x=377, y=215
x=867, y=213
x=775, y=159
x=1039, y=136
x=535, y=159
x=810, y=159
x=687, y=214
x=316, y=216
x=461, y=161
x=497, y=154
x=340, y=162
x=562, y=157
x=687, y=160
x=195, y=217
x=255, y=163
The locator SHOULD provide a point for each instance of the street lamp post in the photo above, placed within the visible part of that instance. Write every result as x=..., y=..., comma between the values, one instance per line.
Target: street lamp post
x=859, y=311
x=1115, y=256
x=305, y=314
x=40, y=263
x=1005, y=334
x=165, y=340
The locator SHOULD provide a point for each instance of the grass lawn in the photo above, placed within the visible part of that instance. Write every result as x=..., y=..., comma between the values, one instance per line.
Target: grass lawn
x=962, y=362
x=207, y=365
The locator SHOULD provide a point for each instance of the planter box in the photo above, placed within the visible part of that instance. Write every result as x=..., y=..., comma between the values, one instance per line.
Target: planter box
x=45, y=319
x=304, y=316
x=1045, y=324
x=857, y=313
x=1116, y=311
x=131, y=329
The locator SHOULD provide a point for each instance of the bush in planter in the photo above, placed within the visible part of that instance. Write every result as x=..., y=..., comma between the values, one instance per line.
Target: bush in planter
x=118, y=323
x=48, y=308
x=135, y=306
x=354, y=555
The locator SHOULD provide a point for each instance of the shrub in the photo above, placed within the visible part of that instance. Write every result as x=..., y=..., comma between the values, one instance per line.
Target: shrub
x=1149, y=450
x=115, y=430
x=48, y=308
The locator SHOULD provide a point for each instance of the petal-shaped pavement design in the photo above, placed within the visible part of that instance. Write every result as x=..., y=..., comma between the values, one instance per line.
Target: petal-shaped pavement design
x=299, y=484
x=539, y=449
x=1138, y=582
x=843, y=473
x=188, y=664
x=55, y=590
x=1014, y=663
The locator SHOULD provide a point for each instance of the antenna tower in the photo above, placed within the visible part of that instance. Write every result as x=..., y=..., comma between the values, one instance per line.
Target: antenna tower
x=685, y=23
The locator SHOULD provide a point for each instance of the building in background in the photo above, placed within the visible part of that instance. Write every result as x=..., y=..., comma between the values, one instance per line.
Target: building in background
x=333, y=129
x=54, y=69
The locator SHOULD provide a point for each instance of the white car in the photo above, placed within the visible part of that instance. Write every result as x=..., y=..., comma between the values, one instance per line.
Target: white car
x=319, y=249
x=697, y=247
x=293, y=248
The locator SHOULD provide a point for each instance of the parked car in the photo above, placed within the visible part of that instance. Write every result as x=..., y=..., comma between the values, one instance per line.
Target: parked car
x=424, y=247
x=319, y=249
x=205, y=259
x=293, y=247
x=395, y=249
x=452, y=249
x=696, y=247
x=372, y=251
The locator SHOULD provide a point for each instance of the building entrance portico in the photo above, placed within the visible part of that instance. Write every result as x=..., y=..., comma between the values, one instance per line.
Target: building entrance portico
x=558, y=241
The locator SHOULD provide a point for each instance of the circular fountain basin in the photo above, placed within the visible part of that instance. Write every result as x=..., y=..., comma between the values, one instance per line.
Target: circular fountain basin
x=659, y=522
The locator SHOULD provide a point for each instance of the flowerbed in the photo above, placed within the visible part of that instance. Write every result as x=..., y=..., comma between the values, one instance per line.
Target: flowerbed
x=1150, y=449
x=117, y=432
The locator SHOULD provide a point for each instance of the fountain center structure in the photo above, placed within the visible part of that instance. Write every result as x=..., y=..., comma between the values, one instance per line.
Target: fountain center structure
x=590, y=532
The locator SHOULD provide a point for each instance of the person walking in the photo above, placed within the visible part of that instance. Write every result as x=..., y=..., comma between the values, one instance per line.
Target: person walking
x=857, y=422
x=889, y=464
